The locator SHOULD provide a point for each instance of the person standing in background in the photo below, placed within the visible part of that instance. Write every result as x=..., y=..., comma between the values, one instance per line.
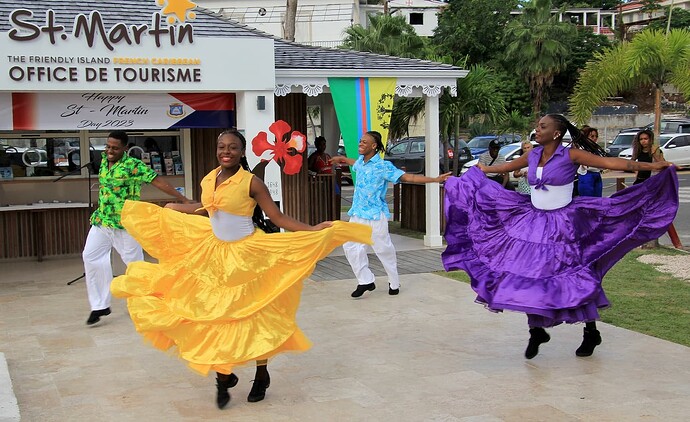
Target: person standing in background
x=521, y=174
x=320, y=161
x=589, y=178
x=493, y=158
x=645, y=151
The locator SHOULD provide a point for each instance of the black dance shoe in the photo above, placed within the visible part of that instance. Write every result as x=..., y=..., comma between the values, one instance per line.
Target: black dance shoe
x=537, y=336
x=258, y=391
x=95, y=316
x=590, y=340
x=223, y=397
x=361, y=288
x=392, y=291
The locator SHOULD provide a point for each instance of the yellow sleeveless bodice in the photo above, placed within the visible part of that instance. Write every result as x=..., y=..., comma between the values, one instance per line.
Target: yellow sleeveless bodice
x=231, y=196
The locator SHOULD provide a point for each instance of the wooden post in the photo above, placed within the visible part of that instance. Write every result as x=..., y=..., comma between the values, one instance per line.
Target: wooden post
x=674, y=237
x=396, y=202
x=620, y=183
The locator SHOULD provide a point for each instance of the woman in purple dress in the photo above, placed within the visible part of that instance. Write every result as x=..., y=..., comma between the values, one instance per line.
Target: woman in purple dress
x=573, y=242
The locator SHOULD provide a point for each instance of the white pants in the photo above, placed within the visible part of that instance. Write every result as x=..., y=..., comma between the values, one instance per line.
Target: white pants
x=97, y=266
x=356, y=253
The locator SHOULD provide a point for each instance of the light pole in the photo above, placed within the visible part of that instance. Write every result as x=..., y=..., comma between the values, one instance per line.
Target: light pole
x=668, y=24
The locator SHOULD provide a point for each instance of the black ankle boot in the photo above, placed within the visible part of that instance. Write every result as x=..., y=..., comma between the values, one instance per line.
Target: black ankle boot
x=537, y=336
x=590, y=340
x=223, y=397
x=258, y=391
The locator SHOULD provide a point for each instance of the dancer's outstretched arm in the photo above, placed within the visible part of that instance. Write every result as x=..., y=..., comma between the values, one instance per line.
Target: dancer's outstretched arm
x=612, y=163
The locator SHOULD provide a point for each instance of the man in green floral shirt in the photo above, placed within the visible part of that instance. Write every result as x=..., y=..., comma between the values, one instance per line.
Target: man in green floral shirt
x=120, y=177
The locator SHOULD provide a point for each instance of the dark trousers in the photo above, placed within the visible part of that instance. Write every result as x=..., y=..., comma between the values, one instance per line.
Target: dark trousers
x=590, y=184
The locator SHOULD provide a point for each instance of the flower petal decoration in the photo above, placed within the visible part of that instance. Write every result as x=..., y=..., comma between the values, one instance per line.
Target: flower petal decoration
x=287, y=149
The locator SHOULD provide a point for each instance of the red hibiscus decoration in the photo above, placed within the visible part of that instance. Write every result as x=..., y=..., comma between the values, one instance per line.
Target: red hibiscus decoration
x=287, y=149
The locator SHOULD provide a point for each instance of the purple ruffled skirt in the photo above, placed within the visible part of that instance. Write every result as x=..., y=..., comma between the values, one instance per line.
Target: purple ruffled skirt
x=548, y=264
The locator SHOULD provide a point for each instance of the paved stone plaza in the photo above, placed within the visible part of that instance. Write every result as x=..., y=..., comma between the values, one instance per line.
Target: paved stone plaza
x=429, y=354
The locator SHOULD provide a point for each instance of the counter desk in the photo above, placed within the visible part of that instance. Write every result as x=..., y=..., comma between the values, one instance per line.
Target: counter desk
x=43, y=229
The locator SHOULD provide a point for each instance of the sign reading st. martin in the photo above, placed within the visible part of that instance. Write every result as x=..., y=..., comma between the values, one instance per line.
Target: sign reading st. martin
x=161, y=54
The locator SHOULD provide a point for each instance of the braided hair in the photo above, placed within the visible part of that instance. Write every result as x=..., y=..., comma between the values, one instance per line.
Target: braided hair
x=579, y=140
x=378, y=139
x=258, y=216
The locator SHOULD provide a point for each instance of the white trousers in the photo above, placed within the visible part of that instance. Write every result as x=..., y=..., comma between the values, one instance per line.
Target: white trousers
x=356, y=253
x=97, y=266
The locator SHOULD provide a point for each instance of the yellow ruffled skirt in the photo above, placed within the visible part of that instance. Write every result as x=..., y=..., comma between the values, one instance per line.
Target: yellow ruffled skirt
x=220, y=303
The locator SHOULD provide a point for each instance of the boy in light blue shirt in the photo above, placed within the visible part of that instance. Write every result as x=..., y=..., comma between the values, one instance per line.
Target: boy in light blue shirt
x=369, y=207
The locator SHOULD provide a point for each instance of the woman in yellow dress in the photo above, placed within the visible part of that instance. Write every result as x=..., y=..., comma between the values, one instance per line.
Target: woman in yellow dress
x=224, y=293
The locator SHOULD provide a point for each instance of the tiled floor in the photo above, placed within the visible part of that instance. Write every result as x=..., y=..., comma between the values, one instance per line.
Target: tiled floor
x=429, y=354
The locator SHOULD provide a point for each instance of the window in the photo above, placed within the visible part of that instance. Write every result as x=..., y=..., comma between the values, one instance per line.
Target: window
x=682, y=141
x=398, y=149
x=39, y=155
x=417, y=146
x=416, y=18
x=56, y=153
x=159, y=150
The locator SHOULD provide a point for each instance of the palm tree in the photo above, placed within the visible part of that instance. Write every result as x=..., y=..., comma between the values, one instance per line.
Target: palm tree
x=652, y=57
x=390, y=35
x=477, y=98
x=515, y=122
x=537, y=47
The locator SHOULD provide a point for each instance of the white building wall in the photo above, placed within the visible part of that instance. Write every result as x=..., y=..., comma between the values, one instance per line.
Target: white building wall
x=321, y=22
x=318, y=21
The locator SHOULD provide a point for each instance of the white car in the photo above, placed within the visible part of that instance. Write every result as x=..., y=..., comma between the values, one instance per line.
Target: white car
x=510, y=152
x=675, y=146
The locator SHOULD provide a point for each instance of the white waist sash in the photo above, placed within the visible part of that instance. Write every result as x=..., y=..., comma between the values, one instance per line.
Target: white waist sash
x=554, y=197
x=229, y=227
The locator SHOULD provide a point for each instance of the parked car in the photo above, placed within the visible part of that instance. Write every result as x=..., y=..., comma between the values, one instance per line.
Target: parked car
x=480, y=144
x=510, y=152
x=621, y=142
x=676, y=149
x=679, y=125
x=408, y=154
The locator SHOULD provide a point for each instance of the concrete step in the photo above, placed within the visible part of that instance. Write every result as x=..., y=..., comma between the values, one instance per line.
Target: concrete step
x=9, y=410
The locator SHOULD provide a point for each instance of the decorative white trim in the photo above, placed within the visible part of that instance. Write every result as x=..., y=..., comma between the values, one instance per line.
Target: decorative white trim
x=313, y=87
x=403, y=90
x=313, y=90
x=431, y=90
x=282, y=90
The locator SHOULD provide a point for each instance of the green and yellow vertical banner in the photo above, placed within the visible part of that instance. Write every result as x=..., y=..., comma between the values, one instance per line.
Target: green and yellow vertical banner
x=361, y=105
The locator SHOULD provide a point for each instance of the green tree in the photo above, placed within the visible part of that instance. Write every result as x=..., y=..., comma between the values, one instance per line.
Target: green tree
x=478, y=98
x=515, y=123
x=583, y=48
x=386, y=34
x=650, y=6
x=515, y=91
x=473, y=28
x=680, y=19
x=537, y=47
x=652, y=57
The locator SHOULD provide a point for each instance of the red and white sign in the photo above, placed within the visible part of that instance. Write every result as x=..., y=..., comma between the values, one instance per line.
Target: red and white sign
x=109, y=111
